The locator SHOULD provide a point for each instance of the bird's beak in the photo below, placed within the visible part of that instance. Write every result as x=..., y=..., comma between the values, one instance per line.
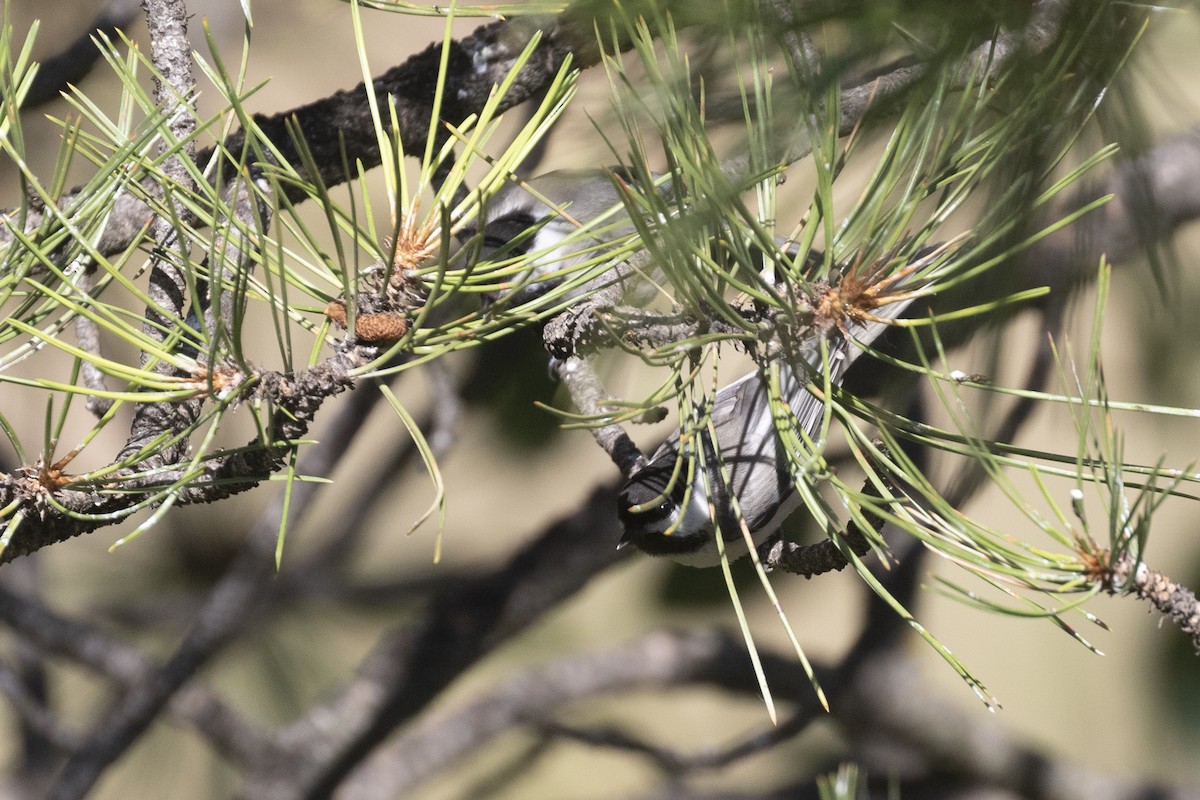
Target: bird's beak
x=627, y=538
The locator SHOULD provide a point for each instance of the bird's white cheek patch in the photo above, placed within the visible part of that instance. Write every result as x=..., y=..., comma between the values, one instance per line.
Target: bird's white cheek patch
x=668, y=525
x=696, y=517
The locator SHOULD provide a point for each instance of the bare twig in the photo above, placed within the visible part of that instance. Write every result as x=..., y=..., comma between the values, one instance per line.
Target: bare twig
x=804, y=56
x=812, y=559
x=986, y=60
x=494, y=783
x=446, y=409
x=580, y=378
x=826, y=556
x=121, y=727
x=686, y=763
x=577, y=331
x=247, y=586
x=40, y=750
x=1152, y=195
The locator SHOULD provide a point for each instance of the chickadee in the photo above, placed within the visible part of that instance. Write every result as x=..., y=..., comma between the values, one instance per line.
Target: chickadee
x=542, y=216
x=538, y=221
x=675, y=521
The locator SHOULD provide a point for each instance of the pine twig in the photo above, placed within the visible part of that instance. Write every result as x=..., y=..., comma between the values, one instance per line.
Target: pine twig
x=1168, y=597
x=825, y=556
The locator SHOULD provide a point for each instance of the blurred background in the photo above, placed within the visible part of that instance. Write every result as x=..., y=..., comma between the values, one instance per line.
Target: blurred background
x=510, y=472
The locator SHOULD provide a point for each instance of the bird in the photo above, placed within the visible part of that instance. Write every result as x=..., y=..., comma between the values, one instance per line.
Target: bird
x=673, y=519
x=542, y=216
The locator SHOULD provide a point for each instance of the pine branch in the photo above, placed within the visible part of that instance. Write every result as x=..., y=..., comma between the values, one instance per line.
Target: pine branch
x=52, y=511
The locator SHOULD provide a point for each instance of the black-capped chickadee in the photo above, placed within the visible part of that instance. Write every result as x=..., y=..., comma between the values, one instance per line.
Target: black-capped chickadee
x=542, y=218
x=674, y=520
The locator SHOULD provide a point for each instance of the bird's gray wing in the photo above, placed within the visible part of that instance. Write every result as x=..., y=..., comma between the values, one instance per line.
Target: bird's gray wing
x=749, y=451
x=867, y=331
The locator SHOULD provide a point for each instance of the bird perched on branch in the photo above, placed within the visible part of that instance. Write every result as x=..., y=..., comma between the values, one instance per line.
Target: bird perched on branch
x=561, y=220
x=673, y=506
